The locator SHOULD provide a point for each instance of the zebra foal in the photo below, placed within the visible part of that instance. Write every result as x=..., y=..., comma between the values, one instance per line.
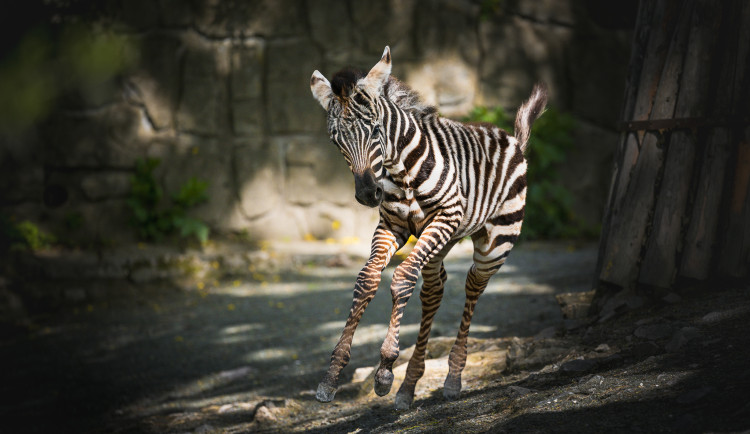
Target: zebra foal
x=433, y=178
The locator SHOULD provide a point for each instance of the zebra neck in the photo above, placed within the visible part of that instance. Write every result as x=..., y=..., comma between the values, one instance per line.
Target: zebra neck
x=404, y=132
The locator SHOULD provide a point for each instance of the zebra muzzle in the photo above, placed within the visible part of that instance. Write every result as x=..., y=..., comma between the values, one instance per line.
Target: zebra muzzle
x=367, y=189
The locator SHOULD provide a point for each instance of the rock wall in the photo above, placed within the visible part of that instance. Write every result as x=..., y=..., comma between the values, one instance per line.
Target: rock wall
x=220, y=91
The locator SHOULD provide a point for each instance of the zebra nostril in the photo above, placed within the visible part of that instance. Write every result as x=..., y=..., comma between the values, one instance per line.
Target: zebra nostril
x=378, y=194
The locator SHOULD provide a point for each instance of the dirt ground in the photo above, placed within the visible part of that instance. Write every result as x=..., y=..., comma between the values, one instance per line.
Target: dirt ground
x=244, y=353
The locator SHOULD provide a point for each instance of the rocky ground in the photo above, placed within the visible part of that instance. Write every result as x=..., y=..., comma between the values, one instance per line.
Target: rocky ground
x=230, y=341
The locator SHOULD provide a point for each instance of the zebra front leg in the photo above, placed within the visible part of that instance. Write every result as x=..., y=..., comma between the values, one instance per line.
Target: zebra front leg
x=431, y=295
x=432, y=241
x=384, y=244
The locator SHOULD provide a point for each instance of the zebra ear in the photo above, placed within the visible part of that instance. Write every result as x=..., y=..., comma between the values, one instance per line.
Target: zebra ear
x=321, y=89
x=379, y=74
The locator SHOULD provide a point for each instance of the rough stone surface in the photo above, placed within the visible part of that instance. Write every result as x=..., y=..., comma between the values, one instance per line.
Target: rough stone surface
x=235, y=75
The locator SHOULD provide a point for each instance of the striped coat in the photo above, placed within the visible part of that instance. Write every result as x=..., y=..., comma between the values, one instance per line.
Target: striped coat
x=431, y=177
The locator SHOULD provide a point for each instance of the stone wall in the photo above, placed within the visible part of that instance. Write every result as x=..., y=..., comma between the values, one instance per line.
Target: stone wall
x=220, y=91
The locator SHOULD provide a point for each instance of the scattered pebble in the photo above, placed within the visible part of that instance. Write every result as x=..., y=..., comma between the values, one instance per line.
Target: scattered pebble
x=602, y=348
x=264, y=416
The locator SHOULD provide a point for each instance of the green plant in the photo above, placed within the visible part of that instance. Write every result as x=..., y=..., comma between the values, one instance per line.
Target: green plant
x=24, y=235
x=152, y=217
x=548, y=203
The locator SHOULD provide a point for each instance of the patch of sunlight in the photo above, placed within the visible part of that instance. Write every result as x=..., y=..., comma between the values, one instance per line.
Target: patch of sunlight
x=270, y=354
x=479, y=328
x=279, y=289
x=375, y=333
x=241, y=328
x=500, y=287
x=331, y=326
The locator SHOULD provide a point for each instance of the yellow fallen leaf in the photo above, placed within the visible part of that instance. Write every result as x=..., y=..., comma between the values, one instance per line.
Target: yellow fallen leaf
x=336, y=310
x=178, y=339
x=335, y=225
x=89, y=308
x=280, y=305
x=309, y=237
x=200, y=285
x=231, y=307
x=236, y=283
x=214, y=264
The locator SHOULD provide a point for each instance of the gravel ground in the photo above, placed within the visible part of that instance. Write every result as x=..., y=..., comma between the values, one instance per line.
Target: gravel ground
x=244, y=353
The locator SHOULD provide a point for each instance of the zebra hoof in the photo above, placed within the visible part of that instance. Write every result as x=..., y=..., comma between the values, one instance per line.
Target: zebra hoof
x=383, y=382
x=452, y=389
x=403, y=401
x=325, y=393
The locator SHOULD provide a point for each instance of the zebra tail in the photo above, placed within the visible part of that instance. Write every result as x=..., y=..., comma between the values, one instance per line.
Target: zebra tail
x=528, y=113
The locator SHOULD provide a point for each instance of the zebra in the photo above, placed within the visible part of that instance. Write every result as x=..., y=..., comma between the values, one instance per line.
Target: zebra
x=437, y=179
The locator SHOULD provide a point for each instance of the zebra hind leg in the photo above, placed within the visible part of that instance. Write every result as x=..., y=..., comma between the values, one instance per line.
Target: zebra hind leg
x=431, y=295
x=487, y=260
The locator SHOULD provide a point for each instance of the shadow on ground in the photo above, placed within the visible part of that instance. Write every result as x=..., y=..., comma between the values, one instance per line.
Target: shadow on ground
x=245, y=354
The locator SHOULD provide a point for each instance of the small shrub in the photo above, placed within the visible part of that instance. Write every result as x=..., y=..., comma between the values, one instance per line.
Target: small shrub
x=24, y=235
x=154, y=219
x=548, y=202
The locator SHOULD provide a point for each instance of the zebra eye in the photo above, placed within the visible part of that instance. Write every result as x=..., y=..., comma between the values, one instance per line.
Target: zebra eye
x=376, y=129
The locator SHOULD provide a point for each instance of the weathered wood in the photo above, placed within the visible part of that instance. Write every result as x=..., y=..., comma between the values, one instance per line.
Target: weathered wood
x=734, y=260
x=659, y=264
x=656, y=100
x=660, y=259
x=735, y=253
x=711, y=225
x=628, y=147
x=700, y=238
x=679, y=202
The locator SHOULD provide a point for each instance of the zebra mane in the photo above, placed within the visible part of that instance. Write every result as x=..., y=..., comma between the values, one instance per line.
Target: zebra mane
x=395, y=90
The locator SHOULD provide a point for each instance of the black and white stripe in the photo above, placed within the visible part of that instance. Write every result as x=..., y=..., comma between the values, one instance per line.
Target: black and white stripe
x=442, y=181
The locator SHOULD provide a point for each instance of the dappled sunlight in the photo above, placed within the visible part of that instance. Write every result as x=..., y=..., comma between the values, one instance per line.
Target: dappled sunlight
x=281, y=290
x=499, y=287
x=270, y=355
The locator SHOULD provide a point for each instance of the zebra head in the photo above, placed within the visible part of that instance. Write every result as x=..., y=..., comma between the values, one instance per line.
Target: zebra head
x=355, y=123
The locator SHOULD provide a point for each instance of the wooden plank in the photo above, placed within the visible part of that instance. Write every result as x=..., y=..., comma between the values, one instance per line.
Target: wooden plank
x=664, y=20
x=700, y=238
x=660, y=259
x=734, y=257
x=622, y=254
x=621, y=174
x=659, y=265
x=730, y=58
